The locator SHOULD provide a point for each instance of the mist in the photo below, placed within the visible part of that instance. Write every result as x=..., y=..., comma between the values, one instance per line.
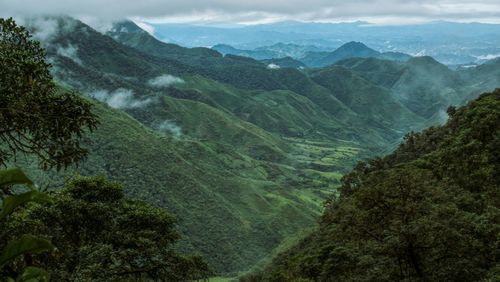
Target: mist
x=70, y=52
x=164, y=81
x=169, y=127
x=120, y=99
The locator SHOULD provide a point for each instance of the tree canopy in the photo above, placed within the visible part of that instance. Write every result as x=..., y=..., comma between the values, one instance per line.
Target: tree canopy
x=34, y=117
x=430, y=211
x=101, y=235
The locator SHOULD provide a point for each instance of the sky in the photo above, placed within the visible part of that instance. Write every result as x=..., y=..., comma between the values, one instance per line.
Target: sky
x=262, y=11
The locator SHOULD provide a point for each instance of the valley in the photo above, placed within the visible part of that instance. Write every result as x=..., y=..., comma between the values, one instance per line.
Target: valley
x=243, y=147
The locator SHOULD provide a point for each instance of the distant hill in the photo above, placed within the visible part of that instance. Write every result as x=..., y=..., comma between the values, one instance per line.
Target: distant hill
x=422, y=84
x=451, y=43
x=275, y=51
x=347, y=51
x=255, y=54
x=311, y=56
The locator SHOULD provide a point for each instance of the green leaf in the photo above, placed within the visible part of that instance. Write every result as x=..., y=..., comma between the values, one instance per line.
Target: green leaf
x=34, y=274
x=14, y=176
x=12, y=202
x=26, y=244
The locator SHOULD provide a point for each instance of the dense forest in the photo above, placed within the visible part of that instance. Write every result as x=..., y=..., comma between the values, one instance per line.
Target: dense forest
x=430, y=211
x=131, y=159
x=88, y=231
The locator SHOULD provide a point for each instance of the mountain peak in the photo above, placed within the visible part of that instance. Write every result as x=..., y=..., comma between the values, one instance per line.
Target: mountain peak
x=354, y=44
x=356, y=49
x=126, y=26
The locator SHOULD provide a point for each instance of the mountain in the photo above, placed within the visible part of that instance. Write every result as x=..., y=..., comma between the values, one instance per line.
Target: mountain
x=309, y=55
x=451, y=43
x=483, y=75
x=421, y=84
x=365, y=98
x=347, y=51
x=249, y=74
x=291, y=50
x=409, y=215
x=128, y=33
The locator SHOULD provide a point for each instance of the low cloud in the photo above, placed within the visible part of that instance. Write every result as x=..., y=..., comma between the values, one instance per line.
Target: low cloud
x=120, y=99
x=164, y=81
x=488, y=57
x=170, y=128
x=273, y=66
x=70, y=52
x=442, y=116
x=147, y=27
x=46, y=29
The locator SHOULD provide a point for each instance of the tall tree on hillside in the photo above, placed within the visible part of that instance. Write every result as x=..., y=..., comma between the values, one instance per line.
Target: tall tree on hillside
x=34, y=117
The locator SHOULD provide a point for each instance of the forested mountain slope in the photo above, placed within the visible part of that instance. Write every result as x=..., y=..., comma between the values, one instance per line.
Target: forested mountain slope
x=427, y=212
x=229, y=206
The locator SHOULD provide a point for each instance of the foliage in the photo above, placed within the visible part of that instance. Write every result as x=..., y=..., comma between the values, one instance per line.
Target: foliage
x=26, y=245
x=101, y=236
x=428, y=212
x=33, y=118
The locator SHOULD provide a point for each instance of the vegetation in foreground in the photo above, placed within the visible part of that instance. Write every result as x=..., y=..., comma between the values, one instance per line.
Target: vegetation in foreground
x=97, y=233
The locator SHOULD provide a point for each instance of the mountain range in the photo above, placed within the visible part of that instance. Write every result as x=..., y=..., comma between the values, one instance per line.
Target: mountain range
x=450, y=43
x=313, y=59
x=243, y=154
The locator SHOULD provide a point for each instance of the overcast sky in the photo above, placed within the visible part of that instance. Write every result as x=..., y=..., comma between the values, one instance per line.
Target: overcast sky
x=262, y=11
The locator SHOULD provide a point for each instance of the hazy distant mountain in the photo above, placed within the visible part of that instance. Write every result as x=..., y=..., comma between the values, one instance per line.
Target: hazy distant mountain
x=310, y=56
x=349, y=50
x=256, y=54
x=448, y=42
x=279, y=50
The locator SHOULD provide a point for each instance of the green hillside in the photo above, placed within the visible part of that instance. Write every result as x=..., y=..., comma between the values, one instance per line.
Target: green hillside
x=423, y=85
x=231, y=208
x=427, y=212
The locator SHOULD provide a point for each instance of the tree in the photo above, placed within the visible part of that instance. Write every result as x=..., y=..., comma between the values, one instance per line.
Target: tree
x=34, y=117
x=102, y=236
x=430, y=211
x=26, y=244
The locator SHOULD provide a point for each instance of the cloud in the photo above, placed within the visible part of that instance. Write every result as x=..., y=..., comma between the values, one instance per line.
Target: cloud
x=46, y=29
x=442, y=116
x=69, y=51
x=273, y=66
x=488, y=57
x=164, y=81
x=171, y=128
x=247, y=11
x=120, y=99
x=146, y=27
